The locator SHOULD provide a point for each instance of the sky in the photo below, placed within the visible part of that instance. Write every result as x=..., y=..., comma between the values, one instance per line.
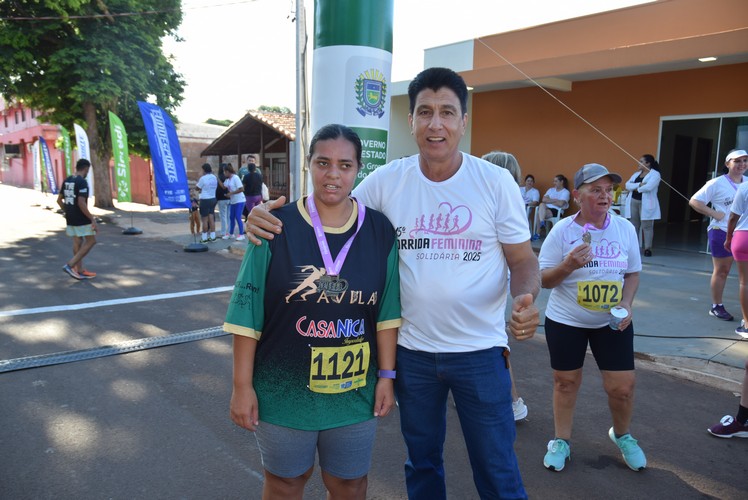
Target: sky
x=237, y=55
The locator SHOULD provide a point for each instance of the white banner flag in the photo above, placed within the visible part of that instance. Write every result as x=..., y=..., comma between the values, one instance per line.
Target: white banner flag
x=84, y=151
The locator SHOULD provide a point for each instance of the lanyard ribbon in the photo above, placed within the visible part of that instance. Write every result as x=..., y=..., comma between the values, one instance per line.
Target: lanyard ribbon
x=732, y=182
x=332, y=268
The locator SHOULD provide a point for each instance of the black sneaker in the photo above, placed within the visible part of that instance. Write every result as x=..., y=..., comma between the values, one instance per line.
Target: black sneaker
x=719, y=311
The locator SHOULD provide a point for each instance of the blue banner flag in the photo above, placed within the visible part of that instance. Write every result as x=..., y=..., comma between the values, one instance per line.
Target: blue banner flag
x=168, y=166
x=47, y=163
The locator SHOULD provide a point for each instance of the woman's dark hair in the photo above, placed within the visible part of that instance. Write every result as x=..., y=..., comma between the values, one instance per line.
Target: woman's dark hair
x=652, y=162
x=335, y=131
x=207, y=168
x=229, y=168
x=563, y=180
x=435, y=79
x=530, y=176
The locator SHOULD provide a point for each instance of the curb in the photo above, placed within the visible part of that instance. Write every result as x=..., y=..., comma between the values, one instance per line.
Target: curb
x=701, y=371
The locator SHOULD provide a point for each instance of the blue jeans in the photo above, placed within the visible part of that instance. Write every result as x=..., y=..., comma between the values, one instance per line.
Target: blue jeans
x=481, y=389
x=236, y=217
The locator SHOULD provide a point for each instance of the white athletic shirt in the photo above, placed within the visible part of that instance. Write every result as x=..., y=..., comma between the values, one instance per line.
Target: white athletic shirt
x=530, y=195
x=584, y=298
x=232, y=184
x=558, y=195
x=207, y=184
x=453, y=273
x=740, y=207
x=720, y=193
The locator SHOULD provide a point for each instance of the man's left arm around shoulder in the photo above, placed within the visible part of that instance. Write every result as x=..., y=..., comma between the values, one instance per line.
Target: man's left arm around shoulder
x=524, y=285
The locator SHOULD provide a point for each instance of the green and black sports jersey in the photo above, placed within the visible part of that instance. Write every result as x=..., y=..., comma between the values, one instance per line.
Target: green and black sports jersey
x=316, y=359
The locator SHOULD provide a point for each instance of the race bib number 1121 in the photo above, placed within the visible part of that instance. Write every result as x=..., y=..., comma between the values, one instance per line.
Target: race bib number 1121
x=338, y=369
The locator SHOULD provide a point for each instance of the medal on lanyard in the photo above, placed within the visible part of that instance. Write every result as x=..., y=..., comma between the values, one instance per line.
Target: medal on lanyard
x=331, y=283
x=586, y=235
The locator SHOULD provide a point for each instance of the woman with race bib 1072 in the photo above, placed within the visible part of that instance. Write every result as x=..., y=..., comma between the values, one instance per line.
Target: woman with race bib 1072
x=591, y=262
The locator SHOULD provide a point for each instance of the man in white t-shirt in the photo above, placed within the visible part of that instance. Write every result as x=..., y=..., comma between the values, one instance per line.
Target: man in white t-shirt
x=461, y=228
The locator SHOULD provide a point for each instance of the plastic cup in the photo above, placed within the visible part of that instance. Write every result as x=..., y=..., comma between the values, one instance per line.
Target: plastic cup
x=617, y=315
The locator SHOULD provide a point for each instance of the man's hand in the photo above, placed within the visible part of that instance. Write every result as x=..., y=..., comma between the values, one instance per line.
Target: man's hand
x=525, y=317
x=261, y=223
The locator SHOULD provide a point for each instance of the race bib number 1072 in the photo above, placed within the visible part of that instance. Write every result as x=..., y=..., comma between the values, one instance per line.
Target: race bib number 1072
x=599, y=295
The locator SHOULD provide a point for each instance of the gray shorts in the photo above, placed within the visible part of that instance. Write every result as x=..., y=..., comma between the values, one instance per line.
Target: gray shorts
x=344, y=452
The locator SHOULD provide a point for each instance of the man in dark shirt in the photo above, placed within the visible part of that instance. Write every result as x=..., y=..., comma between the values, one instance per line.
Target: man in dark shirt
x=81, y=226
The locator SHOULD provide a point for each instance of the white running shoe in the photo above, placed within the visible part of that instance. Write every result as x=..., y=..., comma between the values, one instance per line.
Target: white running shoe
x=520, y=409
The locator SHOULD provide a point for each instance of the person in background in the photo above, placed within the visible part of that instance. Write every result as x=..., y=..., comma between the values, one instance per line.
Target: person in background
x=243, y=171
x=531, y=196
x=529, y=193
x=454, y=332
x=591, y=263
x=206, y=186
x=236, y=194
x=194, y=214
x=736, y=242
x=728, y=426
x=252, y=183
x=720, y=192
x=644, y=207
x=288, y=387
x=509, y=162
x=223, y=201
x=81, y=226
x=555, y=199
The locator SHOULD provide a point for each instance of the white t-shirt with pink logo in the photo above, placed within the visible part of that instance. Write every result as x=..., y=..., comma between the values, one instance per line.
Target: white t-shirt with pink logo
x=585, y=297
x=453, y=273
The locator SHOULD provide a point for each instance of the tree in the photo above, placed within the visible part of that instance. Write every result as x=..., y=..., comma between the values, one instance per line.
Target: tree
x=76, y=60
x=223, y=123
x=273, y=109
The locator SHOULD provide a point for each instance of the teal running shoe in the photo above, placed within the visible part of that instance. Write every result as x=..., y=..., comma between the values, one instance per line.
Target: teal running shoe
x=632, y=453
x=558, y=454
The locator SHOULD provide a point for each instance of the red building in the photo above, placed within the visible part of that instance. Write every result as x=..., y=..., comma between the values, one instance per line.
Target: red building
x=20, y=129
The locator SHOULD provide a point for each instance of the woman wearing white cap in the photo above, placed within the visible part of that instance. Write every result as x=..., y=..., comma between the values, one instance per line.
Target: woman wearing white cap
x=591, y=262
x=719, y=192
x=736, y=241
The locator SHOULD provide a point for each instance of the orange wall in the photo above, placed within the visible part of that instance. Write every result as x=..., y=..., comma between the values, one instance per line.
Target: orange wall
x=547, y=139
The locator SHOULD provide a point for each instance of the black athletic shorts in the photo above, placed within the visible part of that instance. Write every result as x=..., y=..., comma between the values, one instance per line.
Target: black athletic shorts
x=567, y=345
x=207, y=206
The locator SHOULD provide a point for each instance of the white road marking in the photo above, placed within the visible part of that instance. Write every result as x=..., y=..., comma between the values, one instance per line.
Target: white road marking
x=115, y=302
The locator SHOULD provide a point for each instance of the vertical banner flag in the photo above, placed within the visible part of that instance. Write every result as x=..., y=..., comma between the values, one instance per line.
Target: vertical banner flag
x=168, y=166
x=37, y=166
x=84, y=151
x=47, y=166
x=121, y=158
x=352, y=66
x=67, y=150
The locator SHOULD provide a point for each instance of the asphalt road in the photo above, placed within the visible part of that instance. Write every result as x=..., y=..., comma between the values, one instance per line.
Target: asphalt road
x=154, y=423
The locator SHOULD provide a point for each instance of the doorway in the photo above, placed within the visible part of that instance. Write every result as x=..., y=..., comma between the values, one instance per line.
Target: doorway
x=691, y=152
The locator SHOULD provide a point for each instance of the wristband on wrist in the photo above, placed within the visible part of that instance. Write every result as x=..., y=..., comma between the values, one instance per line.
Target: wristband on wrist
x=386, y=373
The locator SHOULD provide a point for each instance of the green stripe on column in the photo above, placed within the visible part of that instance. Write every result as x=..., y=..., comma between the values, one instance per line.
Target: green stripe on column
x=353, y=22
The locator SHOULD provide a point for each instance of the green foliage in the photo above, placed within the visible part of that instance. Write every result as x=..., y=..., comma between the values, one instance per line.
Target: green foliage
x=65, y=65
x=273, y=109
x=223, y=123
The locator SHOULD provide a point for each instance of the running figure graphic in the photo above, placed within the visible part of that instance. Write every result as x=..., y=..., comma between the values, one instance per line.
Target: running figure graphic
x=309, y=282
